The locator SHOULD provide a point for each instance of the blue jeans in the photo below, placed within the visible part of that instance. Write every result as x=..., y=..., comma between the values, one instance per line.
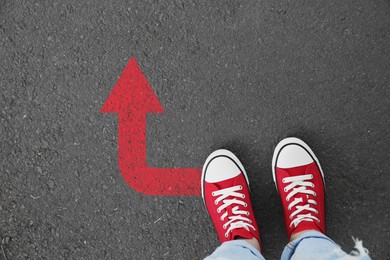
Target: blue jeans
x=312, y=245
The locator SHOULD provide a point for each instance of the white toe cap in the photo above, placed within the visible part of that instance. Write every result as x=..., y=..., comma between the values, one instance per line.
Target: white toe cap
x=293, y=155
x=221, y=168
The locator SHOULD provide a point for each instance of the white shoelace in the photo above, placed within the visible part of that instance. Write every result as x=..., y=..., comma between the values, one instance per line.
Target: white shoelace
x=297, y=185
x=237, y=220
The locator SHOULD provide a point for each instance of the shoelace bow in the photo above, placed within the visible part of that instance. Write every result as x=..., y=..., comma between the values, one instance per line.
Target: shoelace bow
x=298, y=185
x=236, y=220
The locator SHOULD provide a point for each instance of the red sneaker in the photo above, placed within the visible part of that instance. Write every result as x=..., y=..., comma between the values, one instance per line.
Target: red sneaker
x=225, y=192
x=300, y=182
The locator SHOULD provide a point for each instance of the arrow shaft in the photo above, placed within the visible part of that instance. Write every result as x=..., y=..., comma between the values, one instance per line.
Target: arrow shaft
x=132, y=140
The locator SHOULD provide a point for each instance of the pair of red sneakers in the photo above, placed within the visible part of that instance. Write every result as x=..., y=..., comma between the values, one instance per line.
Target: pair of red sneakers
x=298, y=178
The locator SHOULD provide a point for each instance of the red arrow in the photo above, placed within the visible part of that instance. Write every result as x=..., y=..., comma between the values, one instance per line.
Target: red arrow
x=132, y=98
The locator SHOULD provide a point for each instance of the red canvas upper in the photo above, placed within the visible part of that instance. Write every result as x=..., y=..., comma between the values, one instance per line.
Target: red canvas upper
x=317, y=180
x=212, y=208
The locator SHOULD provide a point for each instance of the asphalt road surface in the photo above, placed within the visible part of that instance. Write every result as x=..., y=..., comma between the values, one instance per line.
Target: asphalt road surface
x=235, y=74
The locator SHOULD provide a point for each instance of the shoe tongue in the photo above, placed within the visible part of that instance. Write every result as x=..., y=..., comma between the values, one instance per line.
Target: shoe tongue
x=238, y=232
x=241, y=233
x=305, y=200
x=306, y=225
x=235, y=181
x=298, y=171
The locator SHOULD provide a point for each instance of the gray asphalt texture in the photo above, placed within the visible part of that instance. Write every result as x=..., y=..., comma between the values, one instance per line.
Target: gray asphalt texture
x=240, y=75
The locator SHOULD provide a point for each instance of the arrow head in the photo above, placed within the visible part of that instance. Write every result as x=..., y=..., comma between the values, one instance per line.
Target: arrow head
x=132, y=92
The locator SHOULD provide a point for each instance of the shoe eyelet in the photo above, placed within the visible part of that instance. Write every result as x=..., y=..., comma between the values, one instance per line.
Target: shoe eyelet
x=243, y=196
x=312, y=185
x=240, y=187
x=285, y=189
x=250, y=221
x=283, y=180
x=224, y=226
x=247, y=213
x=318, y=221
x=288, y=208
x=290, y=217
x=316, y=211
x=245, y=205
x=215, y=202
x=218, y=211
x=311, y=176
x=287, y=199
x=315, y=194
x=213, y=193
x=226, y=235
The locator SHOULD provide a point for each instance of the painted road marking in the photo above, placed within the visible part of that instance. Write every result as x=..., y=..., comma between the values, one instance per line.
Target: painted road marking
x=132, y=98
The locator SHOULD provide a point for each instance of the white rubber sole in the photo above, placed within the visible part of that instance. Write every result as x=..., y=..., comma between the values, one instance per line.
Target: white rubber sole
x=289, y=141
x=225, y=153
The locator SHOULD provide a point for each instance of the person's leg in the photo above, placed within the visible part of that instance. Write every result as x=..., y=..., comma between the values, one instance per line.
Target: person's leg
x=235, y=249
x=225, y=192
x=315, y=245
x=300, y=182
